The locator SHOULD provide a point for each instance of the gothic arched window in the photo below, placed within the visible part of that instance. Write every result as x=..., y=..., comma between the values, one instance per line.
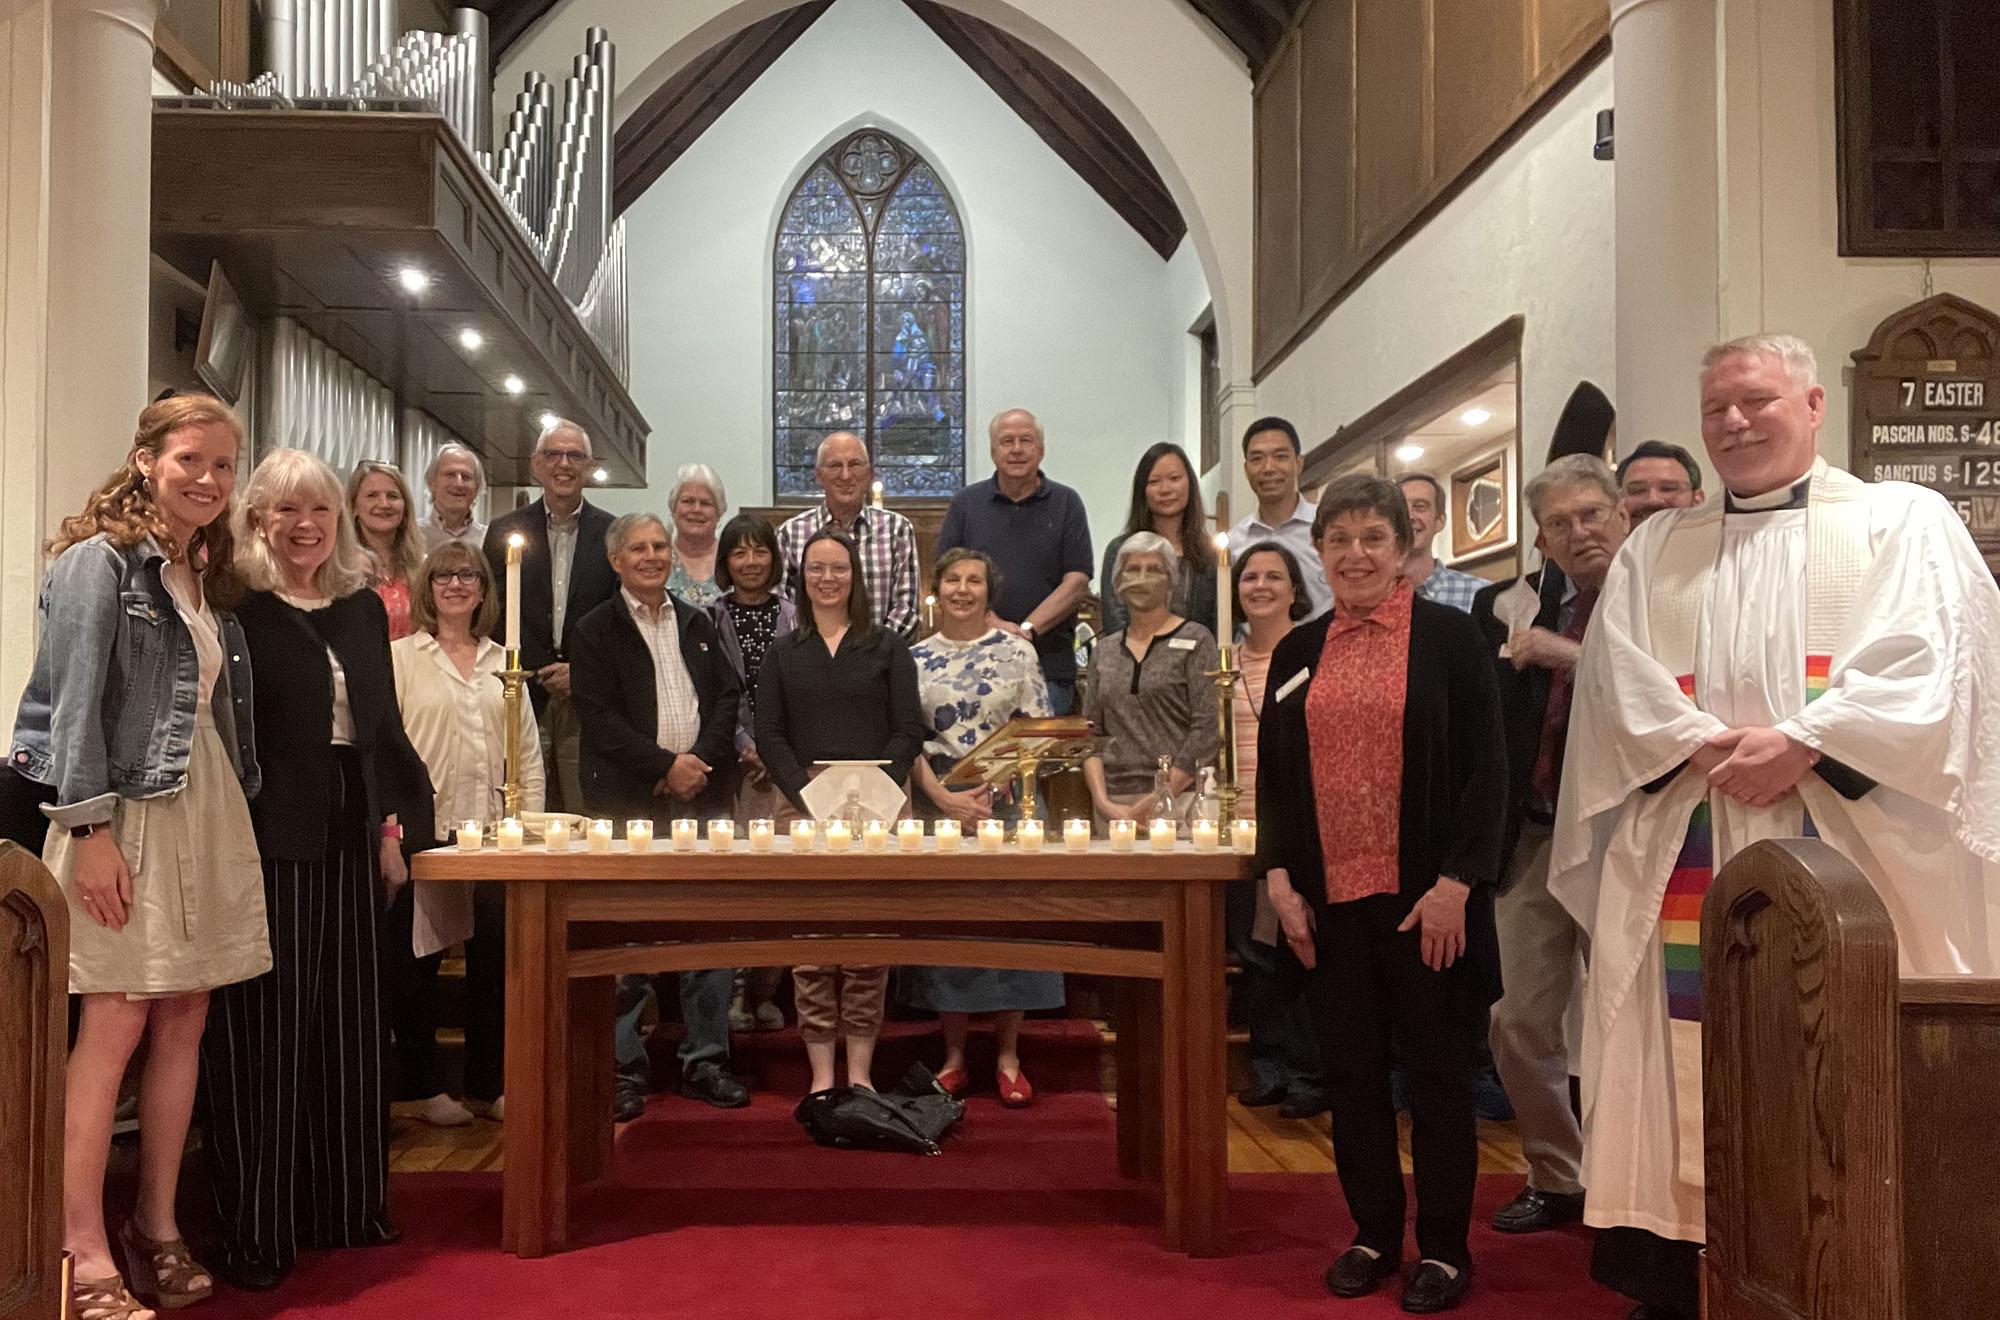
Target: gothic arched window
x=870, y=319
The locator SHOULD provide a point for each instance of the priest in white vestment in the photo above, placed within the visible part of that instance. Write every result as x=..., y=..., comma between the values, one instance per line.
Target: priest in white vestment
x=1809, y=655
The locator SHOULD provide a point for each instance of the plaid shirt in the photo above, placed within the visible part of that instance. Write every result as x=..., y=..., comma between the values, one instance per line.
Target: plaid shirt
x=1448, y=586
x=888, y=546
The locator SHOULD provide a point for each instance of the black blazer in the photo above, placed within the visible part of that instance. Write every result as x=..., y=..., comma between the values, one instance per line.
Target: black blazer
x=1524, y=702
x=1454, y=798
x=293, y=705
x=611, y=683
x=591, y=582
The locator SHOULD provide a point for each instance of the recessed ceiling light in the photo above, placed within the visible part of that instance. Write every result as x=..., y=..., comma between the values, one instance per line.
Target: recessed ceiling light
x=470, y=339
x=1409, y=453
x=600, y=476
x=1475, y=417
x=412, y=279
x=513, y=385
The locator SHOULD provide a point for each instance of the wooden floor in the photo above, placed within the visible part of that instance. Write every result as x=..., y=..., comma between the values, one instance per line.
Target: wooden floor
x=1259, y=1142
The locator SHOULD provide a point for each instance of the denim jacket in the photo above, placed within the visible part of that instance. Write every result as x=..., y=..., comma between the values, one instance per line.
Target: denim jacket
x=109, y=710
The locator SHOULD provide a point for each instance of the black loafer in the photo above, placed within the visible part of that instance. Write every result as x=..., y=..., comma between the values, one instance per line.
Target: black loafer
x=1431, y=1289
x=628, y=1101
x=382, y=1234
x=1307, y=1103
x=1355, y=1273
x=1536, y=1211
x=712, y=1084
x=1258, y=1095
x=247, y=1273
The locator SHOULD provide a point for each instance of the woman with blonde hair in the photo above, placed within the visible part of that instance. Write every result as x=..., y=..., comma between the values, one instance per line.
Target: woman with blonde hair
x=293, y=1062
x=385, y=522
x=137, y=714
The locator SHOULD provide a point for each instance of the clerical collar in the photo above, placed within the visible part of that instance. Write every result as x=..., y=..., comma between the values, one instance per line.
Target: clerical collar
x=1771, y=501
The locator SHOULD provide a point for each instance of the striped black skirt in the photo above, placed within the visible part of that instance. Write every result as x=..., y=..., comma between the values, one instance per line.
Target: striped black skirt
x=293, y=1060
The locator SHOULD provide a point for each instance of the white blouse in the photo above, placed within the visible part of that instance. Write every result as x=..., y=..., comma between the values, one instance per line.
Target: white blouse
x=458, y=725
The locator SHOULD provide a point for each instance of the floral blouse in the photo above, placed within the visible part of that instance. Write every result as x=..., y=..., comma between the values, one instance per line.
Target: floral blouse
x=698, y=594
x=395, y=594
x=969, y=689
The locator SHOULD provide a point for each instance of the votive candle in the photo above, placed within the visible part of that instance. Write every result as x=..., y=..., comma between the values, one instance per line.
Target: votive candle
x=910, y=836
x=1076, y=835
x=1161, y=835
x=469, y=835
x=639, y=835
x=875, y=835
x=763, y=836
x=992, y=835
x=555, y=836
x=599, y=838
x=839, y=834
x=510, y=836
x=722, y=834
x=1030, y=835
x=684, y=835
x=802, y=835
x=1207, y=835
x=946, y=832
x=1123, y=833
x=1243, y=835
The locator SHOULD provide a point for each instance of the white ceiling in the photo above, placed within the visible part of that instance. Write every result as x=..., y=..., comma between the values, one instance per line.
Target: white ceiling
x=1449, y=442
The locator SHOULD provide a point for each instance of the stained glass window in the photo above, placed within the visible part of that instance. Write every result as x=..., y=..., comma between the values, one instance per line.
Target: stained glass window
x=870, y=319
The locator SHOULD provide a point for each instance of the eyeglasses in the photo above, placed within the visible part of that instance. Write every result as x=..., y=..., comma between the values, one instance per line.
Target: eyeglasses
x=1587, y=520
x=563, y=457
x=829, y=570
x=445, y=576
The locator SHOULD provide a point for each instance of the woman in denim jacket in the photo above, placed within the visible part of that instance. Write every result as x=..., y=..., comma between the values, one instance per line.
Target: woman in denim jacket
x=138, y=715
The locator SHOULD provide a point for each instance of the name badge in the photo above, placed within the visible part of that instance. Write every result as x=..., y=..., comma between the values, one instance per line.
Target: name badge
x=1181, y=644
x=1291, y=685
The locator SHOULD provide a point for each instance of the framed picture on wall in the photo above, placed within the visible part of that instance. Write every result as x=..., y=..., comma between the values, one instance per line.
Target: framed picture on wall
x=1482, y=507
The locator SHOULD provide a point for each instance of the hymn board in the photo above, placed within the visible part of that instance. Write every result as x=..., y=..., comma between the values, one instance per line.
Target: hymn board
x=1926, y=409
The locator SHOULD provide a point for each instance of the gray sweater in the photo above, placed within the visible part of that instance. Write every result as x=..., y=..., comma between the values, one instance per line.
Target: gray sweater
x=1163, y=705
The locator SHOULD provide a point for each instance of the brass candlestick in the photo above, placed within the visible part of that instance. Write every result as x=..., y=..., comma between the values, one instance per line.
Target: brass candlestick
x=1226, y=791
x=511, y=680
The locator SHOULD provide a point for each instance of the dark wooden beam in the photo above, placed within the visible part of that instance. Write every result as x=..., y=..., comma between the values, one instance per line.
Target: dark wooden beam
x=1068, y=117
x=1254, y=27
x=507, y=21
x=666, y=124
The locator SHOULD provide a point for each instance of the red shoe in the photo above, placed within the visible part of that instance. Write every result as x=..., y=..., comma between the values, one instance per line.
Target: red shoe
x=1015, y=1093
x=953, y=1081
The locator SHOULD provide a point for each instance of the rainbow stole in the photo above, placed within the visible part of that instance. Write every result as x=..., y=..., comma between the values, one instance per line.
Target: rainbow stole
x=1694, y=871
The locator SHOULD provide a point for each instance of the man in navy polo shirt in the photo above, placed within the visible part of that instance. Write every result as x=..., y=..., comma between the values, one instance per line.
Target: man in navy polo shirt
x=1038, y=534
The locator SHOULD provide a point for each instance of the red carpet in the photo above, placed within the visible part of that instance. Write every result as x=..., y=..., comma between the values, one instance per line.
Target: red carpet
x=716, y=1216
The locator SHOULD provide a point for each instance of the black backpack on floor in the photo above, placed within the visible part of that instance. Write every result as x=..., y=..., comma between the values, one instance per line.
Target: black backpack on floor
x=912, y=1118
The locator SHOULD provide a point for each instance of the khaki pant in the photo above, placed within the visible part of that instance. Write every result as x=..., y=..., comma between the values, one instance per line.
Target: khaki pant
x=561, y=733
x=1540, y=965
x=834, y=1000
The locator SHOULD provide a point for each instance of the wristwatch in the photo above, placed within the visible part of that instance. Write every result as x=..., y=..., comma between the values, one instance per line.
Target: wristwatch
x=83, y=831
x=392, y=831
x=1027, y=630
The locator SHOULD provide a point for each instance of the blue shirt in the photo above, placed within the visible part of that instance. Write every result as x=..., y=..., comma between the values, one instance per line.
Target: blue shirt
x=1035, y=541
x=1448, y=586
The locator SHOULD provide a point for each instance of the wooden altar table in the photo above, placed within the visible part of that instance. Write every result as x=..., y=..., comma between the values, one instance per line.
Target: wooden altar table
x=577, y=920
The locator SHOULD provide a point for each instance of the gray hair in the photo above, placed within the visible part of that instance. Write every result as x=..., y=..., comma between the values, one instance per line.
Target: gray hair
x=1146, y=543
x=698, y=474
x=457, y=450
x=282, y=475
x=621, y=529
x=1793, y=352
x=1565, y=472
x=993, y=427
x=554, y=424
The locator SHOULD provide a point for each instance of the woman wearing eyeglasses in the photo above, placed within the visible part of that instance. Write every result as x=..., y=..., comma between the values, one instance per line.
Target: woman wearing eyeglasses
x=447, y=682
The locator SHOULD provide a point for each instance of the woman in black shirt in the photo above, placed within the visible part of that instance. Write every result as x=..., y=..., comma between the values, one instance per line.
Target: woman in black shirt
x=837, y=689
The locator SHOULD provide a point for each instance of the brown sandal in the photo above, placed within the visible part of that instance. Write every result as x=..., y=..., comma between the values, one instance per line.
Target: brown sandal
x=103, y=1299
x=165, y=1272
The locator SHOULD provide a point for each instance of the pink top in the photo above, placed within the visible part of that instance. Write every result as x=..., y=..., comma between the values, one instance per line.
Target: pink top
x=395, y=594
x=1254, y=677
x=1354, y=733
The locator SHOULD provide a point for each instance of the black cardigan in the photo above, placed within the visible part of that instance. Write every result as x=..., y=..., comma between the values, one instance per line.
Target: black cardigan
x=294, y=712
x=1524, y=702
x=611, y=684
x=860, y=705
x=1454, y=799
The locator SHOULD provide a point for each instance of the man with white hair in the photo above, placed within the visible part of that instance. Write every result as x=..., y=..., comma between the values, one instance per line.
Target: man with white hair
x=885, y=538
x=1799, y=657
x=454, y=478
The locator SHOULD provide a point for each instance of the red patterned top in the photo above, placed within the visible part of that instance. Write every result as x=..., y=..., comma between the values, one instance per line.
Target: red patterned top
x=395, y=594
x=1354, y=728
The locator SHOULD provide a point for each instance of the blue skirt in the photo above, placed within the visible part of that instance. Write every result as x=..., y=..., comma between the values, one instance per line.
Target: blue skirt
x=978, y=989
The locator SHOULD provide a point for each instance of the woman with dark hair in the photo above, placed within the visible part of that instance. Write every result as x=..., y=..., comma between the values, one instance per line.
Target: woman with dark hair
x=838, y=688
x=1284, y=1056
x=1166, y=500
x=137, y=715
x=1382, y=806
x=448, y=685
x=749, y=615
x=973, y=678
x=294, y=1062
x=385, y=522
